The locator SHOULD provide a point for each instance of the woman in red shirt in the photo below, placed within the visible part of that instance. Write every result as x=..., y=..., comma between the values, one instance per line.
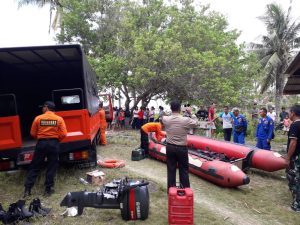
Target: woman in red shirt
x=141, y=117
x=122, y=119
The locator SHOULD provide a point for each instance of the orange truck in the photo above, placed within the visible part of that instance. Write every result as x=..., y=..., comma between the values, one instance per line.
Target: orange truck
x=31, y=75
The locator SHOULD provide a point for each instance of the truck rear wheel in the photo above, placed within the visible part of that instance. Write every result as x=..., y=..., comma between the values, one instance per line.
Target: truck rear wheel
x=97, y=138
x=93, y=153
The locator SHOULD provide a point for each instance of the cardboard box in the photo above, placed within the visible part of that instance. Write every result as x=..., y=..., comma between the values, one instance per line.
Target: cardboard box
x=95, y=177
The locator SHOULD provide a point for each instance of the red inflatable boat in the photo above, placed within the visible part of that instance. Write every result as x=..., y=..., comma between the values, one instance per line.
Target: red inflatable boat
x=258, y=158
x=218, y=172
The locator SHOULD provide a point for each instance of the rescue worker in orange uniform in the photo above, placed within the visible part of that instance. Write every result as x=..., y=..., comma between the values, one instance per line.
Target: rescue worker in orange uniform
x=150, y=127
x=49, y=129
x=103, y=125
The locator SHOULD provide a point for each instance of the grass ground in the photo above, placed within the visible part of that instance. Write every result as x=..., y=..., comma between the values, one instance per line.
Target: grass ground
x=264, y=201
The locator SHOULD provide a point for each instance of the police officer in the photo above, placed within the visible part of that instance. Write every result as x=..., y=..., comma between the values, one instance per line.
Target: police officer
x=177, y=127
x=293, y=157
x=48, y=129
x=264, y=130
x=239, y=127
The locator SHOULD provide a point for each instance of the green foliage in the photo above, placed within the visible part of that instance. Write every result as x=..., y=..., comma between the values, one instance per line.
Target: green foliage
x=173, y=51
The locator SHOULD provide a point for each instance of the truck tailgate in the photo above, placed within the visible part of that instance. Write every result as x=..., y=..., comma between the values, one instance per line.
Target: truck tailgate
x=10, y=135
x=77, y=124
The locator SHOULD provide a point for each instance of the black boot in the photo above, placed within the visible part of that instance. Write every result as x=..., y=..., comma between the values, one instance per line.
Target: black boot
x=23, y=211
x=37, y=209
x=12, y=214
x=27, y=192
x=48, y=191
x=17, y=211
x=2, y=215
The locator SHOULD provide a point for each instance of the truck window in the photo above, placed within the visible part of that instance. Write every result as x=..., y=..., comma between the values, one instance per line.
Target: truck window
x=73, y=99
x=68, y=99
x=8, y=106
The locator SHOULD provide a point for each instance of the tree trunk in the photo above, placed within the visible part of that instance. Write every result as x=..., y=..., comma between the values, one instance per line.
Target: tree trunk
x=113, y=96
x=119, y=97
x=125, y=92
x=278, y=93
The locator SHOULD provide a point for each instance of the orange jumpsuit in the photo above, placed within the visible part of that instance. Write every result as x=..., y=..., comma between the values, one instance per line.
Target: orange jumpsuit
x=103, y=126
x=48, y=125
x=154, y=127
x=49, y=129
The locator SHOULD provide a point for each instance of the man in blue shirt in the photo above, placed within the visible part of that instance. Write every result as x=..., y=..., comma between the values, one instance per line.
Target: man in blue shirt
x=239, y=127
x=264, y=131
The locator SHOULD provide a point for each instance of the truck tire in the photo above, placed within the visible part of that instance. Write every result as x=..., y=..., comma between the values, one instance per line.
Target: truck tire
x=93, y=153
x=98, y=138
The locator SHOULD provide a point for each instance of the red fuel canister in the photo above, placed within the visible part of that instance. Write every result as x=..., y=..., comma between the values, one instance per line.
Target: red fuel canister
x=181, y=206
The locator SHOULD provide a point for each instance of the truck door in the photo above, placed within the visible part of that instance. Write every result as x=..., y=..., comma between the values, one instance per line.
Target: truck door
x=69, y=104
x=107, y=106
x=10, y=133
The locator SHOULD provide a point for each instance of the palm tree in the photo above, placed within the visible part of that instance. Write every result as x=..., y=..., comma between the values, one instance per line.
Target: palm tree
x=275, y=49
x=55, y=5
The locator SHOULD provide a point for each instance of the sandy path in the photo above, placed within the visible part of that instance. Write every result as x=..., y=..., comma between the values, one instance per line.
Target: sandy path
x=238, y=217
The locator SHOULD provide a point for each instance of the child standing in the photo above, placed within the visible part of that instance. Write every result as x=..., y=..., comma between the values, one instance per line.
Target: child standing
x=122, y=119
x=286, y=124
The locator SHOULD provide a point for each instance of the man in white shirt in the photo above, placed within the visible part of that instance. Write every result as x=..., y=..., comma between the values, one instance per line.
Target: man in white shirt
x=226, y=117
x=151, y=114
x=272, y=114
x=135, y=118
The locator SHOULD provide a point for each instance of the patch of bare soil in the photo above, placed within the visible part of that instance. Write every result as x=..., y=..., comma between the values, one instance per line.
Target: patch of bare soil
x=156, y=171
x=236, y=216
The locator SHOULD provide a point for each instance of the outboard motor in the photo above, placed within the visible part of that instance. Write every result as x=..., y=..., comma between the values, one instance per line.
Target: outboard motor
x=130, y=196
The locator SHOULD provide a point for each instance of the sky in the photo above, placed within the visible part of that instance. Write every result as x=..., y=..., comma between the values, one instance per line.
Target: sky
x=242, y=15
x=28, y=25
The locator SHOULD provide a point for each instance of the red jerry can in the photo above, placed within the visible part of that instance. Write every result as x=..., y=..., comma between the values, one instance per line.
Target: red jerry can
x=181, y=206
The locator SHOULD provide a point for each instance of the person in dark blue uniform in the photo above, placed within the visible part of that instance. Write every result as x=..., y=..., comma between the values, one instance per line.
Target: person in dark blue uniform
x=264, y=130
x=239, y=126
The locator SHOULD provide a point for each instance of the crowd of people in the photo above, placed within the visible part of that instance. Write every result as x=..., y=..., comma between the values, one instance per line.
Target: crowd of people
x=234, y=123
x=184, y=120
x=124, y=119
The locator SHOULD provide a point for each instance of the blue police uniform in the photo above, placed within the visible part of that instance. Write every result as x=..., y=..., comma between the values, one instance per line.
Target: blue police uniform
x=264, y=132
x=239, y=129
